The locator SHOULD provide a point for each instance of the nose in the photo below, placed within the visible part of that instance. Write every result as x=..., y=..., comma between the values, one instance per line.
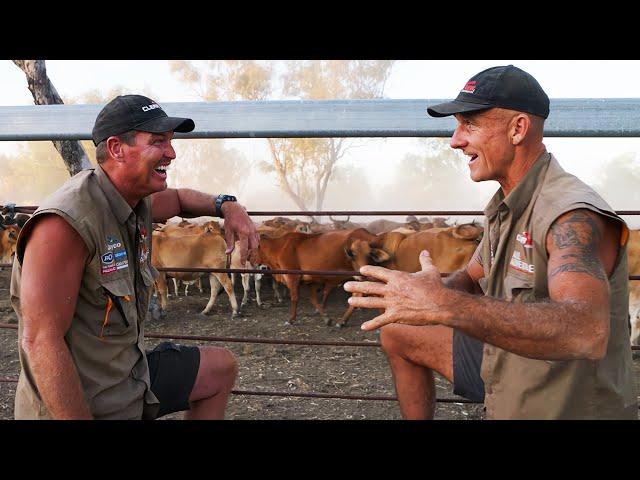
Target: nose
x=458, y=139
x=169, y=152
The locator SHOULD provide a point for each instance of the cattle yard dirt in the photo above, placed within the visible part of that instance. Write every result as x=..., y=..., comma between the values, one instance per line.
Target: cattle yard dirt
x=293, y=369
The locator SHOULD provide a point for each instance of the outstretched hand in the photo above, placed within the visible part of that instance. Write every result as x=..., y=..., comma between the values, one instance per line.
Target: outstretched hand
x=418, y=298
x=238, y=226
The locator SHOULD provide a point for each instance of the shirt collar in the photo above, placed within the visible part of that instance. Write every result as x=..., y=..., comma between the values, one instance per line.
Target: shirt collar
x=118, y=204
x=519, y=197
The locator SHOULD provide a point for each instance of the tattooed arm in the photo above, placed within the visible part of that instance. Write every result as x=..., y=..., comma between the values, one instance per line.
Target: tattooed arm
x=573, y=323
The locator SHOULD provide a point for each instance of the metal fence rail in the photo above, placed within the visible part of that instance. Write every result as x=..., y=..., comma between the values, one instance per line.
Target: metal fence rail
x=579, y=117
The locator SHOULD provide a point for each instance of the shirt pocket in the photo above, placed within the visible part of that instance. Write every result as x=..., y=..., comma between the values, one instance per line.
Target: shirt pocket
x=518, y=289
x=119, y=310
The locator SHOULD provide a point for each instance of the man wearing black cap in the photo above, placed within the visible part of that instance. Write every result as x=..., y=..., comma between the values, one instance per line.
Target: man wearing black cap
x=549, y=338
x=82, y=283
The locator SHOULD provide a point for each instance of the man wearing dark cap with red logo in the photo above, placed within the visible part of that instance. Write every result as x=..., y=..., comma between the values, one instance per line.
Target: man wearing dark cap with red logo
x=549, y=339
x=82, y=283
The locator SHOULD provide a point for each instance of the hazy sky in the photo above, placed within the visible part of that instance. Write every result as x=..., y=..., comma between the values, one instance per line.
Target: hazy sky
x=424, y=79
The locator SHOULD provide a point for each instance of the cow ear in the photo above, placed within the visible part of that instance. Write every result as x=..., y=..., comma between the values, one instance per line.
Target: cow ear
x=379, y=256
x=467, y=232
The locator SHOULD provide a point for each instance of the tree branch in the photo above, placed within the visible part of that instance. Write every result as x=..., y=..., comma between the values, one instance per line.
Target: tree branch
x=44, y=93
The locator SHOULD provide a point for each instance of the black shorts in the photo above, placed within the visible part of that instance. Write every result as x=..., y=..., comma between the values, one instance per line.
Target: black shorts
x=467, y=359
x=173, y=370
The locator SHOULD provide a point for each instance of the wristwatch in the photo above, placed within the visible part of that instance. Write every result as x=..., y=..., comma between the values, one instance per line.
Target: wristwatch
x=220, y=200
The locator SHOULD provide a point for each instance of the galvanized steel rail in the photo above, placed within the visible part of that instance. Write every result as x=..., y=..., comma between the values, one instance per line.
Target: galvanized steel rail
x=576, y=117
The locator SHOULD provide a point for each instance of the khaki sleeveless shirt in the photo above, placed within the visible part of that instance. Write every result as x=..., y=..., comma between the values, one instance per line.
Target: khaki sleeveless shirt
x=106, y=337
x=514, y=259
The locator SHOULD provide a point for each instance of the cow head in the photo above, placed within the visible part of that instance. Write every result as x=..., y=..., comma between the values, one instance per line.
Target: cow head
x=440, y=222
x=303, y=228
x=8, y=240
x=412, y=223
x=340, y=224
x=468, y=231
x=361, y=253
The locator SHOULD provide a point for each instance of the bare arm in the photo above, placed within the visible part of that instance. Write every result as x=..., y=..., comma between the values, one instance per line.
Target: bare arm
x=574, y=323
x=183, y=202
x=466, y=279
x=50, y=285
x=186, y=202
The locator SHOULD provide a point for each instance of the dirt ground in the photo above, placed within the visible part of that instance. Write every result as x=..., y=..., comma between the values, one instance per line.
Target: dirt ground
x=335, y=370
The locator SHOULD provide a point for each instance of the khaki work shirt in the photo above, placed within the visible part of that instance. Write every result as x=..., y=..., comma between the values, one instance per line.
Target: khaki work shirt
x=514, y=258
x=106, y=336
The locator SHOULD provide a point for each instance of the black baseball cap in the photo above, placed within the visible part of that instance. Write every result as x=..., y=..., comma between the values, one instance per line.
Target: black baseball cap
x=505, y=87
x=135, y=112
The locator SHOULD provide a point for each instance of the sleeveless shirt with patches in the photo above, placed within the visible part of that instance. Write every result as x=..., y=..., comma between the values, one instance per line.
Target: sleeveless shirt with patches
x=514, y=259
x=106, y=336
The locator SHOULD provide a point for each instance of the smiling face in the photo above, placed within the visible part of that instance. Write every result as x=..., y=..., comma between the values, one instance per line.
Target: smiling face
x=484, y=138
x=146, y=162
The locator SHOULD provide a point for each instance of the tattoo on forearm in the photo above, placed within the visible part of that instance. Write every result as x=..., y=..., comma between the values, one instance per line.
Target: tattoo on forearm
x=582, y=234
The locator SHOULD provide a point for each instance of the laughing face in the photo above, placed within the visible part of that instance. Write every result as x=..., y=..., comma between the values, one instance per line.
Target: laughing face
x=147, y=161
x=484, y=138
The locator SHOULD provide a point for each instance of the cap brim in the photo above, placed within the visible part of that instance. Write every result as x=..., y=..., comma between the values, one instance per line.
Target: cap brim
x=451, y=108
x=167, y=124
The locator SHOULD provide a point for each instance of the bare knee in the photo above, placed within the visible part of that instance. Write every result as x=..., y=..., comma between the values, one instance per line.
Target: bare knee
x=218, y=365
x=391, y=339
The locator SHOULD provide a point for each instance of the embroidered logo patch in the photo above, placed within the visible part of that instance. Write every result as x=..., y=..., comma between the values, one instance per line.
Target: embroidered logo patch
x=520, y=265
x=108, y=264
x=115, y=258
x=113, y=243
x=525, y=239
x=122, y=264
x=469, y=87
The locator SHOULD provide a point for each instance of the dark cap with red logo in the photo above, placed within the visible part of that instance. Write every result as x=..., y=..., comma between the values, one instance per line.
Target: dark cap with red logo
x=505, y=87
x=135, y=112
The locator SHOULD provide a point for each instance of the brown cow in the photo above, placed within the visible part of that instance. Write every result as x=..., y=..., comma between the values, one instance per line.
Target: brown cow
x=450, y=249
x=288, y=224
x=382, y=226
x=633, y=255
x=187, y=228
x=8, y=239
x=319, y=251
x=204, y=250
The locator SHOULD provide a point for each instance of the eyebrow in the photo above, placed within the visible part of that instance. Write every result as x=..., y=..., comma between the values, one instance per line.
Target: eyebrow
x=157, y=135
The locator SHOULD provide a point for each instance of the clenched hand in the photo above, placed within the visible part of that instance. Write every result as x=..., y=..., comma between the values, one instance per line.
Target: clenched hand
x=239, y=227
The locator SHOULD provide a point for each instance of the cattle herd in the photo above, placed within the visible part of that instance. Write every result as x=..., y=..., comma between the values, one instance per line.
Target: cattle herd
x=289, y=244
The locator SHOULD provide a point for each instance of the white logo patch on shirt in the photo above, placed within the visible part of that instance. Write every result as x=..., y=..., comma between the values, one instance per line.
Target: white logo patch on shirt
x=517, y=263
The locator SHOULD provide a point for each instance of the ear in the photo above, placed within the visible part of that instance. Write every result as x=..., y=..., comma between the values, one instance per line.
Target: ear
x=115, y=148
x=519, y=128
x=379, y=256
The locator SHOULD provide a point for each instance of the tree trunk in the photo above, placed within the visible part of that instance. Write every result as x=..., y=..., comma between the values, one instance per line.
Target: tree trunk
x=284, y=182
x=44, y=93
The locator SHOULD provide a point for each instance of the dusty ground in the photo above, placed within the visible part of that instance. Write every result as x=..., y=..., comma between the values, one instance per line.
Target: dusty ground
x=266, y=367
